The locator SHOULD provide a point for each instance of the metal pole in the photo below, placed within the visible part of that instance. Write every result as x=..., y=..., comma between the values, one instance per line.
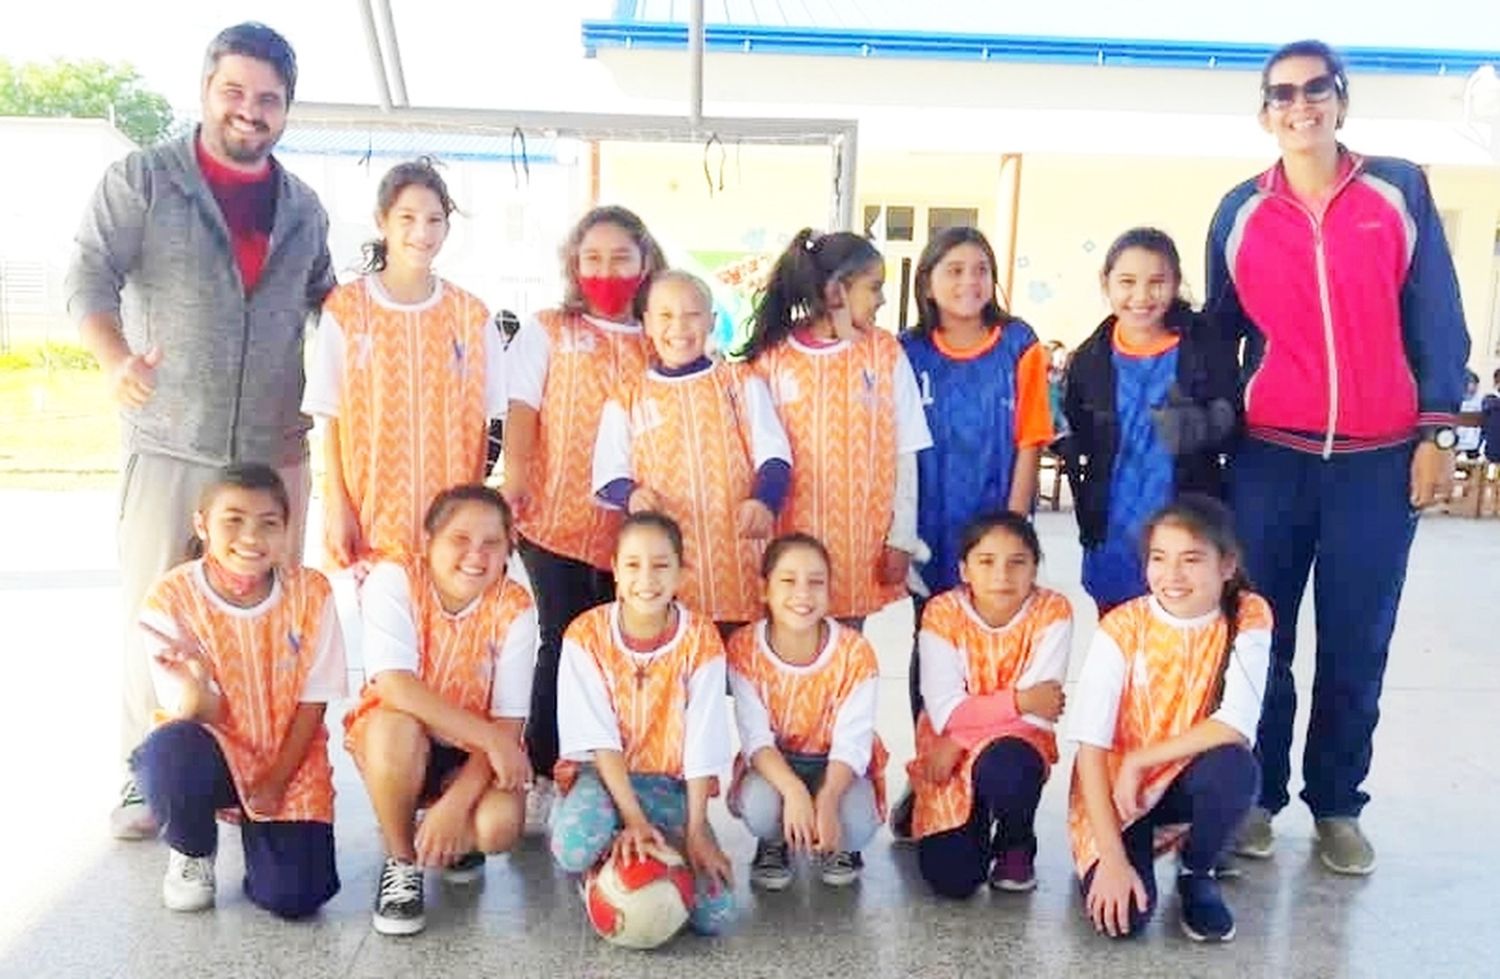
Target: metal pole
x=695, y=65
x=377, y=60
x=398, y=75
x=845, y=159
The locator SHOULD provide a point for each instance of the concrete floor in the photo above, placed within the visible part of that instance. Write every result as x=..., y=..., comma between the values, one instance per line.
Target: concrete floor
x=75, y=903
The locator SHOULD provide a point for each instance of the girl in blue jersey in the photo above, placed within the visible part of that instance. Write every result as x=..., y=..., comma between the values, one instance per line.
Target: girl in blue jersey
x=983, y=378
x=1152, y=407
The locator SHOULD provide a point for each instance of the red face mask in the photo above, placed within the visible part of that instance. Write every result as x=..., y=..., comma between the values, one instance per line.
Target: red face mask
x=610, y=296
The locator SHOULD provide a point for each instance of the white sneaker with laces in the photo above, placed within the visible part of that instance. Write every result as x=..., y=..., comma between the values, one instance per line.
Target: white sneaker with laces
x=539, y=802
x=131, y=819
x=189, y=883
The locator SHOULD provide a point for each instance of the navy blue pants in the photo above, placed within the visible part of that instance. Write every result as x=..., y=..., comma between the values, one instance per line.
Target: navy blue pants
x=1352, y=515
x=1212, y=795
x=289, y=866
x=1008, y=779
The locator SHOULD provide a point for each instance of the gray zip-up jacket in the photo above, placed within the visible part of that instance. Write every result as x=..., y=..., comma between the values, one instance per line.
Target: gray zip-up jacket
x=154, y=249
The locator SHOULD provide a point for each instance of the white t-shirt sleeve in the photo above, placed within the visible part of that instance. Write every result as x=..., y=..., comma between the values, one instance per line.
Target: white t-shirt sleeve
x=750, y=716
x=1095, y=705
x=496, y=395
x=942, y=678
x=768, y=438
x=611, y=448
x=526, y=361
x=854, y=728
x=328, y=680
x=586, y=721
x=390, y=640
x=706, y=750
x=1245, y=682
x=510, y=686
x=1049, y=661
x=325, y=369
x=903, y=533
x=912, y=433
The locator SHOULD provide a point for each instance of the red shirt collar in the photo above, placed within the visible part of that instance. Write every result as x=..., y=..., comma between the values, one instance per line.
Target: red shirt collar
x=222, y=174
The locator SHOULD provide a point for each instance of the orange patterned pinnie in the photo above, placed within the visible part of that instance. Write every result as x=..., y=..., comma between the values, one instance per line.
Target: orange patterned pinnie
x=261, y=664
x=412, y=412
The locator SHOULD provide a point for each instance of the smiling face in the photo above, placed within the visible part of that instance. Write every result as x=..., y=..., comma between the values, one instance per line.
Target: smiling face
x=468, y=553
x=796, y=592
x=963, y=282
x=1186, y=573
x=864, y=292
x=414, y=228
x=1140, y=287
x=244, y=530
x=1000, y=571
x=244, y=110
x=677, y=321
x=647, y=570
x=1310, y=121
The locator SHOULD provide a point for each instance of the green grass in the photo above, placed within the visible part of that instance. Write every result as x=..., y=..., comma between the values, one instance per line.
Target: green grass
x=60, y=427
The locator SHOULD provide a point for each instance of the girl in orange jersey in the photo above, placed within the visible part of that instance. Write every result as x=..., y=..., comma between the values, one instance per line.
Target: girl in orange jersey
x=1165, y=715
x=811, y=771
x=449, y=648
x=405, y=370
x=993, y=657
x=698, y=440
x=848, y=399
x=562, y=366
x=246, y=654
x=644, y=726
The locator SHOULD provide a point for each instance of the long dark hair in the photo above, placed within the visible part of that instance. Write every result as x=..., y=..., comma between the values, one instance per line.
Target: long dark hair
x=1209, y=520
x=794, y=293
x=1158, y=243
x=653, y=259
x=421, y=172
x=928, y=315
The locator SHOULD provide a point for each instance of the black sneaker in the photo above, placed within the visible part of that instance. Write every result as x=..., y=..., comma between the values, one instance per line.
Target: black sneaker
x=771, y=869
x=901, y=818
x=1205, y=916
x=466, y=869
x=399, y=908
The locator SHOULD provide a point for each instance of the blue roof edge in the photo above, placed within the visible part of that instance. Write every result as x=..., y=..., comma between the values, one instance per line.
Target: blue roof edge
x=1124, y=52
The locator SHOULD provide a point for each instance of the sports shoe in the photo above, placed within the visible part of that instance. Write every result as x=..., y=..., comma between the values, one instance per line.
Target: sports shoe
x=189, y=883
x=131, y=819
x=399, y=908
x=1205, y=916
x=1015, y=871
x=771, y=870
x=1255, y=838
x=1343, y=847
x=466, y=869
x=901, y=818
x=839, y=868
x=539, y=807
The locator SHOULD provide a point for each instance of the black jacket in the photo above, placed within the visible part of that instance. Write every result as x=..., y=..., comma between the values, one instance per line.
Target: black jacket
x=1198, y=425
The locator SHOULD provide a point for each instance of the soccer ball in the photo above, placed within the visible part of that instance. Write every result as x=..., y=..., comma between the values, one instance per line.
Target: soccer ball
x=642, y=903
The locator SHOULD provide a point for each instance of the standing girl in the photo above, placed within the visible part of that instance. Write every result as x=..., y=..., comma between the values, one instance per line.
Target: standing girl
x=846, y=394
x=406, y=368
x=246, y=654
x=1151, y=402
x=643, y=722
x=811, y=771
x=1165, y=715
x=698, y=440
x=563, y=366
x=994, y=654
x=449, y=647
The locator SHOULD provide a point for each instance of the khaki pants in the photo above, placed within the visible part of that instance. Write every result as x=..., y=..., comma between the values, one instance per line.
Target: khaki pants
x=157, y=498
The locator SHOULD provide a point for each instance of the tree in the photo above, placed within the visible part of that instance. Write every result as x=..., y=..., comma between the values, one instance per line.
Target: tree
x=89, y=90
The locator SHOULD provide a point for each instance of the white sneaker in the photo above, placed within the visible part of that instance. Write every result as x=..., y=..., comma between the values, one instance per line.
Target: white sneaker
x=539, y=803
x=189, y=883
x=131, y=819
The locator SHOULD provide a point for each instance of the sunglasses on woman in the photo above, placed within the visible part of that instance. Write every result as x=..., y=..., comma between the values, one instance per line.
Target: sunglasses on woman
x=1283, y=95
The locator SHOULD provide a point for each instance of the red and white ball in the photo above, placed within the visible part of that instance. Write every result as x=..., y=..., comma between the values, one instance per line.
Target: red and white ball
x=642, y=903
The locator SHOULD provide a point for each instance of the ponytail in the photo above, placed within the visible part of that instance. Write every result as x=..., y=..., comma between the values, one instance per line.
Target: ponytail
x=1229, y=606
x=795, y=290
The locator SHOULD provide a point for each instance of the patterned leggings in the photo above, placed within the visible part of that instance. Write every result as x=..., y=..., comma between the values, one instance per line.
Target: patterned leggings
x=586, y=822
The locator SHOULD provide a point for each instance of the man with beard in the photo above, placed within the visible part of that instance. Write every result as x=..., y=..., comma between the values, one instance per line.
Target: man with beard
x=197, y=265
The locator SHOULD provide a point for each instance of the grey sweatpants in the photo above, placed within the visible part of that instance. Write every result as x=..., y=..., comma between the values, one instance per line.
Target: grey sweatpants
x=158, y=495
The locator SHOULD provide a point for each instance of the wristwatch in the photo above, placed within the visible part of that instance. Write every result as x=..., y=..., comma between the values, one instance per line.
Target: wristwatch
x=1444, y=437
